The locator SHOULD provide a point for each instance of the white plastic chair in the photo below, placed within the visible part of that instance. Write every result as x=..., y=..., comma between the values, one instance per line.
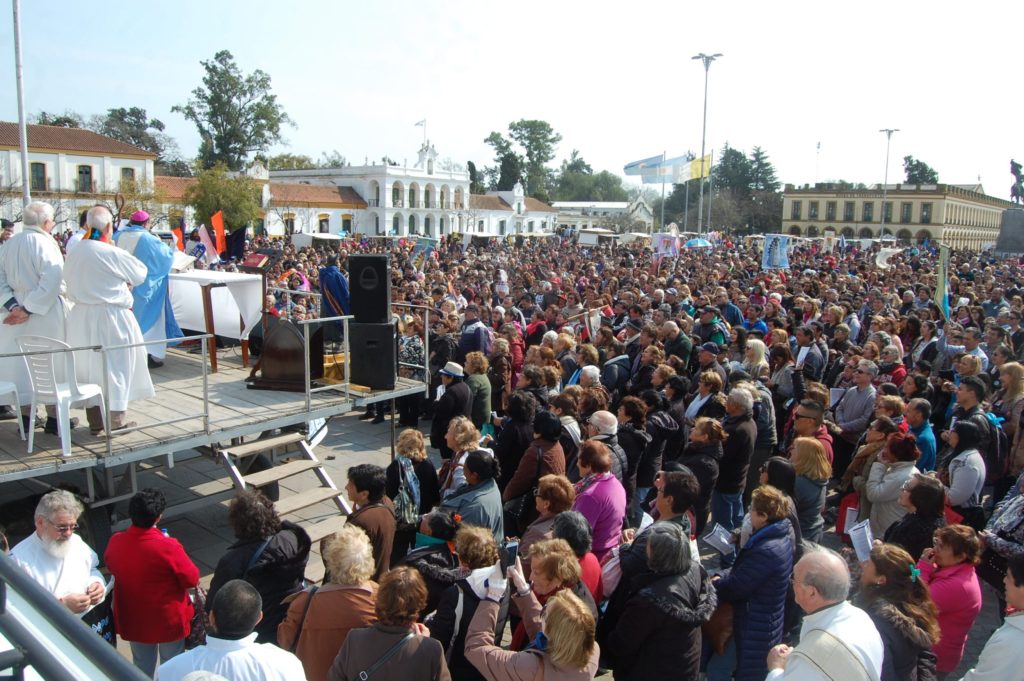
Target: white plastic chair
x=7, y=389
x=47, y=390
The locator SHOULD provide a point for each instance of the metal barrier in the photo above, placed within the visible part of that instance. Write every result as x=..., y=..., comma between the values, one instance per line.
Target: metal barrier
x=51, y=640
x=316, y=298
x=205, y=414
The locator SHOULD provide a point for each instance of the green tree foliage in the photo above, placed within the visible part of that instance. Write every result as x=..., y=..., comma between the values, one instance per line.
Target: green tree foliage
x=133, y=126
x=537, y=142
x=68, y=119
x=290, y=162
x=238, y=197
x=331, y=159
x=576, y=164
x=745, y=195
x=476, y=179
x=235, y=113
x=602, y=186
x=762, y=172
x=919, y=172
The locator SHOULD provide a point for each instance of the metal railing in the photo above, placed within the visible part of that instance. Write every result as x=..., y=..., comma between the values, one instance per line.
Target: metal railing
x=316, y=298
x=45, y=636
x=105, y=350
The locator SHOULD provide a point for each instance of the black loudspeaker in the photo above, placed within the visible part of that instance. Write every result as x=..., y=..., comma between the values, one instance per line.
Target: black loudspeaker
x=369, y=283
x=374, y=355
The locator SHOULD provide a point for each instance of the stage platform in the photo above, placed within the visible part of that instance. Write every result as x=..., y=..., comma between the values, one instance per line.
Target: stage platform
x=235, y=411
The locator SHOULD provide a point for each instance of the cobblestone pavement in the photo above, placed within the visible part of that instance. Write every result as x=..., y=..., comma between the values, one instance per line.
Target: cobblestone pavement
x=205, y=534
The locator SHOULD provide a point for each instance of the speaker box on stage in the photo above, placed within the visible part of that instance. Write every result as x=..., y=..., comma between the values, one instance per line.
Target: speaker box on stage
x=282, y=365
x=369, y=282
x=373, y=352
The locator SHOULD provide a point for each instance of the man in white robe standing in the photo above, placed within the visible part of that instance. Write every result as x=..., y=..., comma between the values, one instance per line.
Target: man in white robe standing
x=152, y=307
x=57, y=558
x=32, y=299
x=98, y=275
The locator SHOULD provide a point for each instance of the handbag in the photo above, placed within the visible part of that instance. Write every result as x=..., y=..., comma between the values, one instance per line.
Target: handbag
x=101, y=619
x=200, y=621
x=718, y=630
x=992, y=568
x=519, y=511
x=611, y=571
x=364, y=675
x=305, y=611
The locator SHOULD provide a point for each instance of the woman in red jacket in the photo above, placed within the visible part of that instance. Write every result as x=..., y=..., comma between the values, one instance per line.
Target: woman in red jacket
x=152, y=578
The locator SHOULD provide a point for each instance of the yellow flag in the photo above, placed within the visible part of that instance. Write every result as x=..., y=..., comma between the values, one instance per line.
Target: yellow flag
x=696, y=165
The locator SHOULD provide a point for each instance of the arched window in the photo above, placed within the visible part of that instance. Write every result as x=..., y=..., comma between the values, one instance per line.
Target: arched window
x=865, y=233
x=396, y=195
x=426, y=225
x=324, y=222
x=812, y=231
x=794, y=230
x=396, y=225
x=847, y=232
x=413, y=229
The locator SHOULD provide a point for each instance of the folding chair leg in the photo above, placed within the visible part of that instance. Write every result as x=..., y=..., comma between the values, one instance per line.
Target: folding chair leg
x=17, y=413
x=31, y=424
x=64, y=427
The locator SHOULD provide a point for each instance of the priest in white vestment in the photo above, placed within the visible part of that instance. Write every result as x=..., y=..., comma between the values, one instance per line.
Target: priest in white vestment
x=57, y=558
x=31, y=298
x=99, y=275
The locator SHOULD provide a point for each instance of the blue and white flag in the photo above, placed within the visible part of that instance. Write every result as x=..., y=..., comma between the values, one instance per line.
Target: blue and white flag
x=776, y=252
x=645, y=166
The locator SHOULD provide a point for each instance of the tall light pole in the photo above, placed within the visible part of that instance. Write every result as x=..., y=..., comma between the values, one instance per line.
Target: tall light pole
x=707, y=59
x=885, y=183
x=26, y=197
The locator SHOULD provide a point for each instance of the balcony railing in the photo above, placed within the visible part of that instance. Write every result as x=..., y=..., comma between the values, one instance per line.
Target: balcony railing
x=85, y=186
x=397, y=203
x=40, y=186
x=373, y=203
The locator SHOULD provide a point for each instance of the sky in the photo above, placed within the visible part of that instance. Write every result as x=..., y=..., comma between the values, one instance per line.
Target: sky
x=615, y=79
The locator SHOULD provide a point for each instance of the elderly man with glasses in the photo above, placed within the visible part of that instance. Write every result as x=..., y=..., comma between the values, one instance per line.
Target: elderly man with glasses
x=58, y=558
x=853, y=413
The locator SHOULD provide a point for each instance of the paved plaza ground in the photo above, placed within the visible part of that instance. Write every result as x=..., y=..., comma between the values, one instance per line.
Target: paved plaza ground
x=205, y=533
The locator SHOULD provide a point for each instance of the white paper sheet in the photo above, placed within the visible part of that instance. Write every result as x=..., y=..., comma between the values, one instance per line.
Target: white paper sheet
x=721, y=540
x=852, y=513
x=862, y=540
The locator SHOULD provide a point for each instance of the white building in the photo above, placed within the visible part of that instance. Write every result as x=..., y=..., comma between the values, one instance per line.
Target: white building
x=422, y=199
x=71, y=168
x=618, y=216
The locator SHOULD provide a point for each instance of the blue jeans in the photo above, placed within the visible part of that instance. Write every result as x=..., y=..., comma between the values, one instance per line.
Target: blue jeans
x=727, y=511
x=638, y=510
x=721, y=667
x=144, y=655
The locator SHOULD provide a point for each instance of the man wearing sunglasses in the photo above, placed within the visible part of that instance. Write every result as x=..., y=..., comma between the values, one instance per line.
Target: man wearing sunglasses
x=58, y=558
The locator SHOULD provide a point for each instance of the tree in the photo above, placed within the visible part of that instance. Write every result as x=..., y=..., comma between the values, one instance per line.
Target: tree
x=132, y=126
x=236, y=114
x=576, y=164
x=602, y=186
x=476, y=179
x=290, y=162
x=68, y=119
x=509, y=168
x=919, y=172
x=732, y=171
x=237, y=196
x=539, y=140
x=331, y=159
x=762, y=172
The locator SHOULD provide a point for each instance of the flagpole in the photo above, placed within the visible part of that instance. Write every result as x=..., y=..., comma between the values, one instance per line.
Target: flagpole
x=707, y=59
x=662, y=228
x=686, y=210
x=26, y=196
x=711, y=185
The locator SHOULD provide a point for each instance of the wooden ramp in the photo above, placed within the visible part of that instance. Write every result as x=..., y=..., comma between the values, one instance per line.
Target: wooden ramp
x=235, y=411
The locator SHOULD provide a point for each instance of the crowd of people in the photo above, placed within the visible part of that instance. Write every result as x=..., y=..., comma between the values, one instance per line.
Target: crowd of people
x=598, y=412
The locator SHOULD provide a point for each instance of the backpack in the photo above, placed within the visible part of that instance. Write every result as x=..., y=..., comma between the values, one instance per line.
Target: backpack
x=407, y=500
x=997, y=456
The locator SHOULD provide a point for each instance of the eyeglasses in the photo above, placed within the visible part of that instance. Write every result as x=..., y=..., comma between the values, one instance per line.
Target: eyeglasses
x=860, y=371
x=62, y=528
x=803, y=416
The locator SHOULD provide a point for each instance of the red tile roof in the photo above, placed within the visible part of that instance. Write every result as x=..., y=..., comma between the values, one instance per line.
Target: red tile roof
x=49, y=137
x=537, y=206
x=173, y=187
x=285, y=194
x=488, y=202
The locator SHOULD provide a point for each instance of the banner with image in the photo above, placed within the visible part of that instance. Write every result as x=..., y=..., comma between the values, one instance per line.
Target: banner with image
x=776, y=252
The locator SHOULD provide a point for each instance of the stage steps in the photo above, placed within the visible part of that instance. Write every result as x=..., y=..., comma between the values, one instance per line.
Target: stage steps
x=237, y=458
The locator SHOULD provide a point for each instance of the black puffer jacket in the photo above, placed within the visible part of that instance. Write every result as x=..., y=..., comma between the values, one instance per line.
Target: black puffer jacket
x=661, y=427
x=658, y=634
x=703, y=460
x=634, y=442
x=908, y=654
x=276, y=573
x=439, y=568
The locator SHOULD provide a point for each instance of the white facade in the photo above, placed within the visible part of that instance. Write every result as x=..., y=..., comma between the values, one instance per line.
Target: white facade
x=577, y=215
x=70, y=180
x=400, y=200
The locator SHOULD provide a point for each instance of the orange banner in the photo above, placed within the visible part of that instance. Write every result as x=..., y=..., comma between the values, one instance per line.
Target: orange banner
x=217, y=220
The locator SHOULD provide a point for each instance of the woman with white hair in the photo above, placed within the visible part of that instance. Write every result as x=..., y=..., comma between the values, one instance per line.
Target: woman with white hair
x=754, y=361
x=99, y=277
x=319, y=620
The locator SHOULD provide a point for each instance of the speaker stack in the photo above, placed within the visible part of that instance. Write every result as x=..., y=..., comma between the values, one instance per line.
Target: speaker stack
x=373, y=343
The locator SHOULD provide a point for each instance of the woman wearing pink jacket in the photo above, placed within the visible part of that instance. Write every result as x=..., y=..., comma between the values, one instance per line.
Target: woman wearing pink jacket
x=948, y=570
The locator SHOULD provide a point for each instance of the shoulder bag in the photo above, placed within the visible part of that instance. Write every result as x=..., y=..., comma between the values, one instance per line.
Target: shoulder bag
x=363, y=676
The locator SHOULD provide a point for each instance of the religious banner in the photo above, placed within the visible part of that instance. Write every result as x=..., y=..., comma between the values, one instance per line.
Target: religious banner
x=665, y=244
x=776, y=252
x=828, y=244
x=882, y=259
x=421, y=252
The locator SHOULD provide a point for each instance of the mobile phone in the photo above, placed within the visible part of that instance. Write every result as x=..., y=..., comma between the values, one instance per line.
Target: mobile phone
x=946, y=375
x=509, y=553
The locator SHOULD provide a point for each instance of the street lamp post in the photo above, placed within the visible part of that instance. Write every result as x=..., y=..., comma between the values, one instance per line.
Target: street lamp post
x=885, y=183
x=707, y=59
